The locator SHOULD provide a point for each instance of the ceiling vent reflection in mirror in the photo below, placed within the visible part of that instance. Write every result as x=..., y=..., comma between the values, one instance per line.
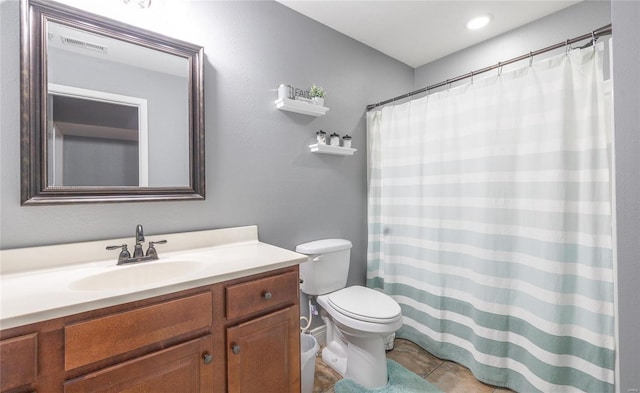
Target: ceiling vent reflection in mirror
x=83, y=44
x=141, y=3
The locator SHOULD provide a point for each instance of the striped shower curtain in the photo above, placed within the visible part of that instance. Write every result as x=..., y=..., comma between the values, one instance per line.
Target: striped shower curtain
x=489, y=219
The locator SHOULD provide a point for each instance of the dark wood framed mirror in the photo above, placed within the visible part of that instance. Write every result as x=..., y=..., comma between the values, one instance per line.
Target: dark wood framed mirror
x=109, y=112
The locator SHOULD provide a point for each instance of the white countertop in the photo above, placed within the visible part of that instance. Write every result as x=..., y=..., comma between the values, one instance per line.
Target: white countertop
x=44, y=292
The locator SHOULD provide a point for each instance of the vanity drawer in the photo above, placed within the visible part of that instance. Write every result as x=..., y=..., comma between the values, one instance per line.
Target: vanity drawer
x=18, y=361
x=101, y=338
x=252, y=296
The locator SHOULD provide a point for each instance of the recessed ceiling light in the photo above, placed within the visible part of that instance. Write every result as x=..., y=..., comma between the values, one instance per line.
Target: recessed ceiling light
x=478, y=22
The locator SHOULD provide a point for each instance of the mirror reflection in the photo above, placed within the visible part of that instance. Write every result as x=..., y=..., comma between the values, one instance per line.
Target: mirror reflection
x=104, y=95
x=110, y=112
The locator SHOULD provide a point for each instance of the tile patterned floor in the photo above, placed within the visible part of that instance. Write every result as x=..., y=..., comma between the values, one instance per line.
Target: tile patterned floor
x=448, y=376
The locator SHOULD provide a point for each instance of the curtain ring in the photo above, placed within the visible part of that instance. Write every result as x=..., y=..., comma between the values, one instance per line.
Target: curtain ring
x=472, y=77
x=593, y=40
x=448, y=85
x=567, y=48
x=530, y=59
x=499, y=68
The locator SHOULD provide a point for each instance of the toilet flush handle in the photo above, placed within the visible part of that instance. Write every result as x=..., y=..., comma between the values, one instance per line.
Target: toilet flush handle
x=317, y=258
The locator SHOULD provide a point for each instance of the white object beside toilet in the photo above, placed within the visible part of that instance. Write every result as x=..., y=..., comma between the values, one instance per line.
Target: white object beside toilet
x=358, y=319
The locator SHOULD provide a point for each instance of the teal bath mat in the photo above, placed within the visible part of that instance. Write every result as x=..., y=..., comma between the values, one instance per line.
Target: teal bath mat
x=401, y=380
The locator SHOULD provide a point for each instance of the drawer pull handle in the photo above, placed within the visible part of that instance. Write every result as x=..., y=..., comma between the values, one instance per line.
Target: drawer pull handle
x=235, y=348
x=267, y=295
x=207, y=358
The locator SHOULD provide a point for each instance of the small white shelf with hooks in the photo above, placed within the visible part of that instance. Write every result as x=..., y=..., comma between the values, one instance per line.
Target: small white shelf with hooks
x=297, y=106
x=328, y=149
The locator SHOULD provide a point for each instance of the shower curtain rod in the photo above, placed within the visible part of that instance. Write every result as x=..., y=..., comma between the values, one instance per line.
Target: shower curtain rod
x=594, y=35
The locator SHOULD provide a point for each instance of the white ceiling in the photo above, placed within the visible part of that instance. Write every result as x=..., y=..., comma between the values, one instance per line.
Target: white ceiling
x=420, y=31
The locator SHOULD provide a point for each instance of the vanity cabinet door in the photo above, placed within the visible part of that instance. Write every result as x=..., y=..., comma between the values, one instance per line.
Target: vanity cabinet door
x=263, y=354
x=18, y=361
x=185, y=367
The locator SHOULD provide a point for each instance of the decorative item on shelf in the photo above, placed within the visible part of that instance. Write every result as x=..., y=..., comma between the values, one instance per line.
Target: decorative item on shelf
x=346, y=141
x=321, y=137
x=297, y=100
x=285, y=91
x=332, y=146
x=317, y=94
x=304, y=99
x=334, y=140
x=301, y=95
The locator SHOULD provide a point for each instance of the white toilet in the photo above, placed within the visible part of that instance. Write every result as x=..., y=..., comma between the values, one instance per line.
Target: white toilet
x=358, y=319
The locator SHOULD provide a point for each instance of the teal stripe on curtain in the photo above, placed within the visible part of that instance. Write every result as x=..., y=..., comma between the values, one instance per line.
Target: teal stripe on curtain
x=489, y=211
x=548, y=342
x=562, y=253
x=550, y=281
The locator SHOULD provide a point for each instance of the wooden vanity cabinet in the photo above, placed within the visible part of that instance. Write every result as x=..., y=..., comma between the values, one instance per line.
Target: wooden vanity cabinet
x=171, y=343
x=263, y=346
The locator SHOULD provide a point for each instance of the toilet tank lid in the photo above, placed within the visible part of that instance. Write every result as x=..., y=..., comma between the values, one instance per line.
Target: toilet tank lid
x=323, y=246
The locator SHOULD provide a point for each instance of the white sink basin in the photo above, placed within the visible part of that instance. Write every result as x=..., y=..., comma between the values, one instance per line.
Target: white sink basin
x=139, y=275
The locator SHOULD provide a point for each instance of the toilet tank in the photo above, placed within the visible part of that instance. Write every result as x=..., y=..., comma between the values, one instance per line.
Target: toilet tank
x=328, y=265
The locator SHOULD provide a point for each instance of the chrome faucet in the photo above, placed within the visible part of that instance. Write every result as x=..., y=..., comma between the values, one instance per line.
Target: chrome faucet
x=138, y=255
x=137, y=250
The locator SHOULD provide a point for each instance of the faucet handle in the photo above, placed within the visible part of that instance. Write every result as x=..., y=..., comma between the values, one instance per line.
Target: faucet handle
x=151, y=251
x=124, y=254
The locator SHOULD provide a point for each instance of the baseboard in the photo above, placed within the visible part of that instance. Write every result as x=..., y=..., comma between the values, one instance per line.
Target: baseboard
x=320, y=334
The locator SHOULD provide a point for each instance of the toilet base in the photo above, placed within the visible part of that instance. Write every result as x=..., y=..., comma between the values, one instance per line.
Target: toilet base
x=332, y=356
x=359, y=358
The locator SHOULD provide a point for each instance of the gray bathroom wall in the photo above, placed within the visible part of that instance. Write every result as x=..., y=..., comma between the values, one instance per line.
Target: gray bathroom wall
x=625, y=17
x=258, y=166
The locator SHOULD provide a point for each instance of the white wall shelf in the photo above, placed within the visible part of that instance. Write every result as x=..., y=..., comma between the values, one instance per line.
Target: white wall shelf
x=286, y=104
x=328, y=149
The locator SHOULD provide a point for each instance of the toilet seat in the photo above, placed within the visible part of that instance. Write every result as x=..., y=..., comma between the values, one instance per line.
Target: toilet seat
x=358, y=321
x=365, y=304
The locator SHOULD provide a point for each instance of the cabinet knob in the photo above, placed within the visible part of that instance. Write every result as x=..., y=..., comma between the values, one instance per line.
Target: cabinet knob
x=207, y=358
x=267, y=295
x=235, y=348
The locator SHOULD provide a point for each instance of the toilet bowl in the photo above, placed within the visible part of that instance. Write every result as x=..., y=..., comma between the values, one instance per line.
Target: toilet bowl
x=358, y=319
